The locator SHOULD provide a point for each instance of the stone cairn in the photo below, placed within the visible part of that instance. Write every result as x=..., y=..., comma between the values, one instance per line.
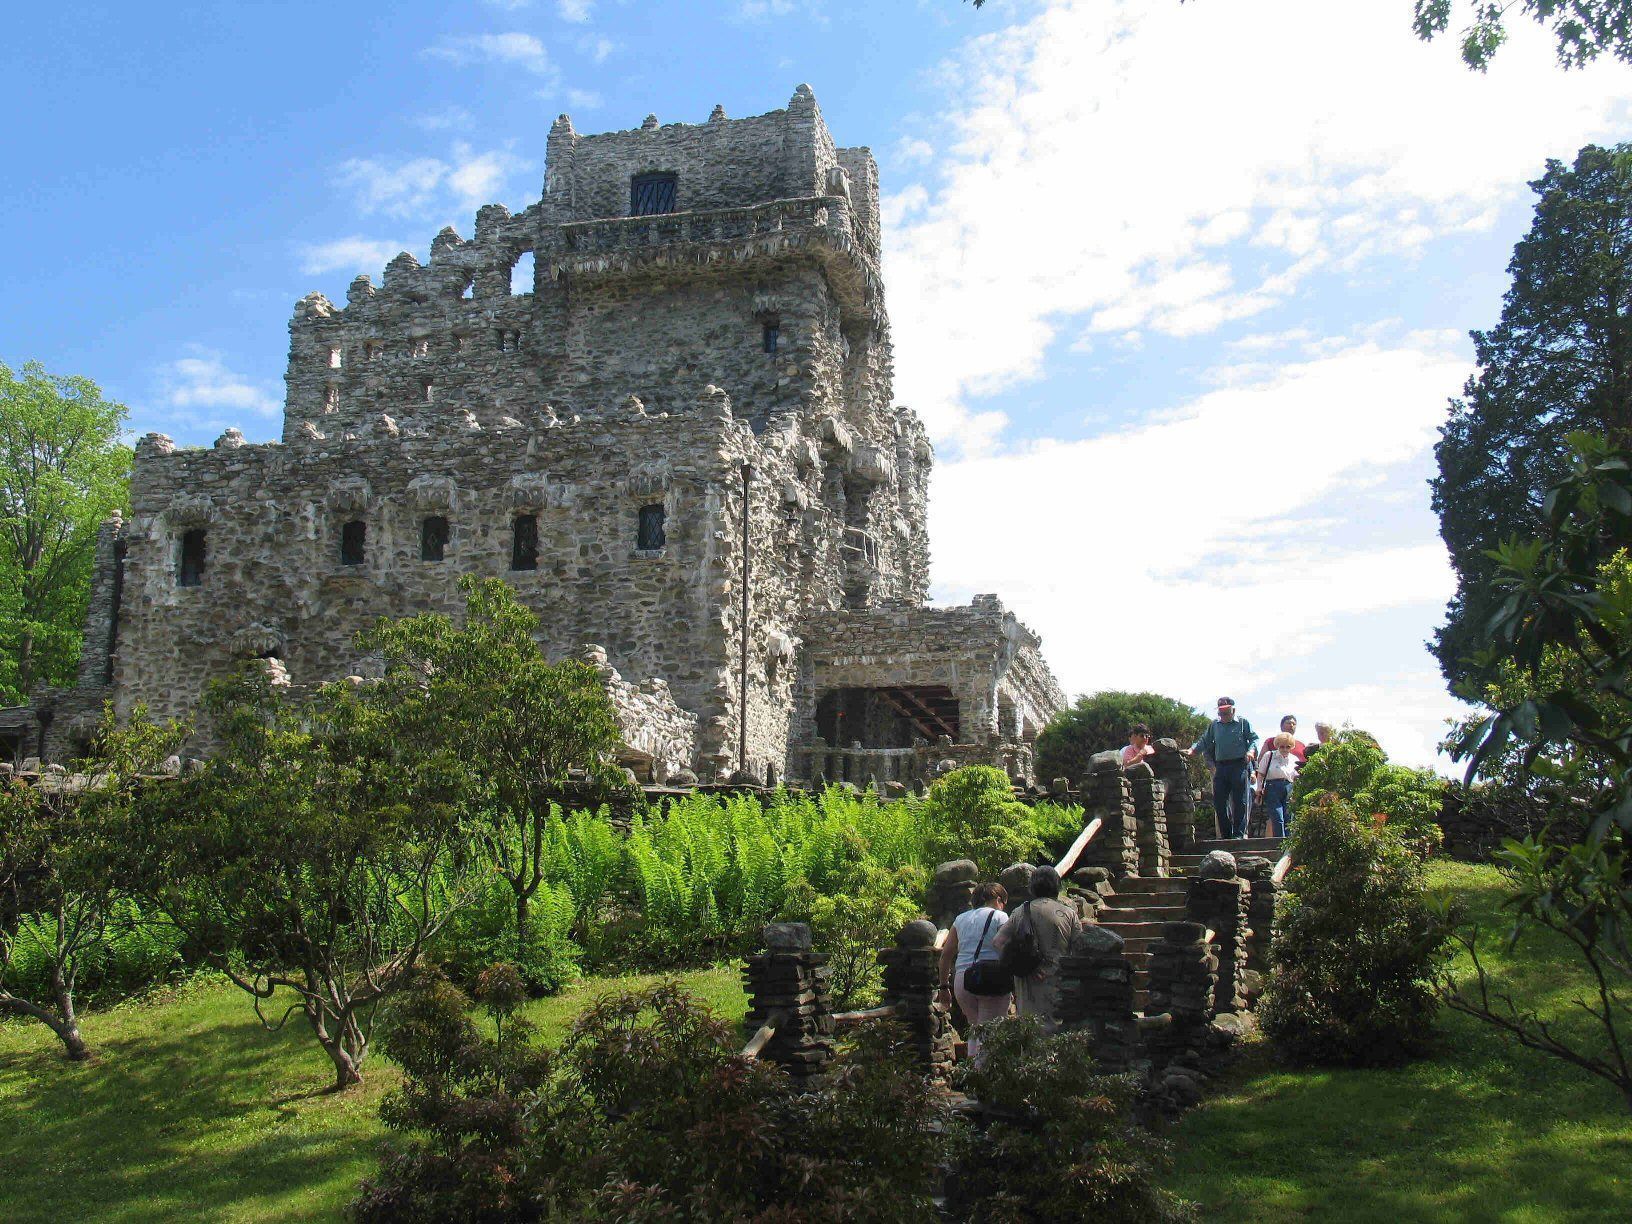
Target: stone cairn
x=952, y=891
x=1183, y=972
x=1111, y=799
x=1179, y=805
x=1218, y=901
x=911, y=986
x=788, y=977
x=1260, y=920
x=1148, y=794
x=1096, y=995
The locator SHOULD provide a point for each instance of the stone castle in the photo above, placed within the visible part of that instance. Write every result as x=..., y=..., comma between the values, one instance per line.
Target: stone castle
x=679, y=445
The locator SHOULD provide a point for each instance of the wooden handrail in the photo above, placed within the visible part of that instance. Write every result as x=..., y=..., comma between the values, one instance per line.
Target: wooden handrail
x=1281, y=868
x=871, y=1013
x=1069, y=862
x=762, y=1038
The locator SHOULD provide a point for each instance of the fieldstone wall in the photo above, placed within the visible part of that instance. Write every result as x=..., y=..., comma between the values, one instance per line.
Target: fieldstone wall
x=1110, y=797
x=789, y=981
x=1096, y=994
x=1218, y=902
x=912, y=987
x=1148, y=797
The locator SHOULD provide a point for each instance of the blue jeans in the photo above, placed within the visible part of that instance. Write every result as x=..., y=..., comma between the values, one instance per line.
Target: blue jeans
x=1232, y=796
x=1278, y=806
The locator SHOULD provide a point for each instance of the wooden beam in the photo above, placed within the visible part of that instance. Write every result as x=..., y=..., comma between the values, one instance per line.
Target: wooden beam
x=762, y=1038
x=918, y=703
x=901, y=708
x=1069, y=862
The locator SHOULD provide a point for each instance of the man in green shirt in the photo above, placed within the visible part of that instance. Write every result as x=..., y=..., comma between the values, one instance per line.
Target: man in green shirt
x=1228, y=747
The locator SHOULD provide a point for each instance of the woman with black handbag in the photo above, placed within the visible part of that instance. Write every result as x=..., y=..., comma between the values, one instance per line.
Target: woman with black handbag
x=969, y=963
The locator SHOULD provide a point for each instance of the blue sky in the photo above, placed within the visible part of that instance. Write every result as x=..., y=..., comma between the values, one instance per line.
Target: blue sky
x=1180, y=290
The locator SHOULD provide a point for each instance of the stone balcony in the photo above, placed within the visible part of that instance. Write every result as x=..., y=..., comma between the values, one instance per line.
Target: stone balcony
x=820, y=225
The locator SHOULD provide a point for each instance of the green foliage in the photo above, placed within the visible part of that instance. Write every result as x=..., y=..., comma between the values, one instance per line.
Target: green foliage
x=850, y=925
x=1554, y=364
x=1343, y=767
x=1584, y=29
x=1098, y=722
x=1356, y=945
x=1059, y=1143
x=972, y=813
x=63, y=469
x=484, y=932
x=1409, y=800
x=131, y=952
x=645, y=1113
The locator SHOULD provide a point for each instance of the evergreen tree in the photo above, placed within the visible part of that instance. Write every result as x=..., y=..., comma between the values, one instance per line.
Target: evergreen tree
x=1559, y=360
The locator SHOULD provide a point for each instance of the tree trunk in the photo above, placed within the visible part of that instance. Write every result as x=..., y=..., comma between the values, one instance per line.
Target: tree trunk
x=67, y=1031
x=522, y=907
x=346, y=1046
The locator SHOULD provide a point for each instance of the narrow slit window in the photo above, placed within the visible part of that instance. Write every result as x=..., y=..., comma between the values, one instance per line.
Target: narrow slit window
x=770, y=335
x=353, y=537
x=524, y=543
x=651, y=194
x=433, y=538
x=190, y=568
x=649, y=534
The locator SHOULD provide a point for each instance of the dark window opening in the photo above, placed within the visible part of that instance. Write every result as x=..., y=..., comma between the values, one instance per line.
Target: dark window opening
x=770, y=333
x=651, y=194
x=433, y=538
x=770, y=669
x=524, y=543
x=649, y=535
x=190, y=572
x=352, y=537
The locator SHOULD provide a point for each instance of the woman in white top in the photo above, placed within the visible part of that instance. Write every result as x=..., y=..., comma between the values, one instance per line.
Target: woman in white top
x=1277, y=770
x=971, y=936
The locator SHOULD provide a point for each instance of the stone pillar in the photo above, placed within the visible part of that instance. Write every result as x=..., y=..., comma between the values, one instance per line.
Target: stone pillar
x=952, y=891
x=1096, y=994
x=1218, y=901
x=1148, y=794
x=1260, y=921
x=1116, y=848
x=1183, y=972
x=790, y=978
x=911, y=986
x=1178, y=796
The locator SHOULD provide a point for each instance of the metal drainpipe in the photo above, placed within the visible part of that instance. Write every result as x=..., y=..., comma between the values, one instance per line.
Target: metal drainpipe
x=742, y=673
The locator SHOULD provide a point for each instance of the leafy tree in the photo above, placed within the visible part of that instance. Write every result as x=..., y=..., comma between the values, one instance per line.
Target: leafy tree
x=62, y=868
x=63, y=470
x=1584, y=29
x=1409, y=800
x=540, y=734
x=1559, y=360
x=869, y=907
x=1097, y=722
x=972, y=813
x=1343, y=767
x=1357, y=944
x=313, y=857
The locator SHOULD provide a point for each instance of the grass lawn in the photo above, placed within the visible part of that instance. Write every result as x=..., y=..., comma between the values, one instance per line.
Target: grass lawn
x=1481, y=1130
x=192, y=1111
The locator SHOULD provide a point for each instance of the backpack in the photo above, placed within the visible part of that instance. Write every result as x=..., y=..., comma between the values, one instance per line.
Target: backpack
x=1021, y=955
x=988, y=978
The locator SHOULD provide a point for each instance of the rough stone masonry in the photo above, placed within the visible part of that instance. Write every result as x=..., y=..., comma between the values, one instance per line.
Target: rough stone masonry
x=704, y=323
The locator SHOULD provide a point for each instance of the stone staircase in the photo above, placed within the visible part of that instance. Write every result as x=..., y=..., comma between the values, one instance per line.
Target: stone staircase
x=1142, y=904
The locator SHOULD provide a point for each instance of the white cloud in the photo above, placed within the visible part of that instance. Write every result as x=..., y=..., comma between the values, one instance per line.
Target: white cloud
x=201, y=383
x=584, y=99
x=522, y=50
x=597, y=46
x=575, y=10
x=765, y=10
x=414, y=186
x=354, y=254
x=447, y=119
x=1164, y=169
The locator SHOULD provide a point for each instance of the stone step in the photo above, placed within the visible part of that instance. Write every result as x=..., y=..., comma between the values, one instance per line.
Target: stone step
x=1152, y=884
x=1147, y=913
x=1134, y=930
x=1264, y=847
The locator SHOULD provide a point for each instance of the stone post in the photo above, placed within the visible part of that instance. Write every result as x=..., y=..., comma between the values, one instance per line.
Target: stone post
x=1178, y=796
x=788, y=977
x=1260, y=921
x=1148, y=794
x=1117, y=846
x=1096, y=994
x=911, y=986
x=1218, y=900
x=952, y=891
x=1183, y=973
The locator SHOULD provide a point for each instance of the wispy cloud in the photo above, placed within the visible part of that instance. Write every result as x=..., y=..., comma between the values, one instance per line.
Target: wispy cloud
x=449, y=118
x=202, y=391
x=584, y=99
x=354, y=254
x=415, y=186
x=522, y=50
x=598, y=47
x=577, y=11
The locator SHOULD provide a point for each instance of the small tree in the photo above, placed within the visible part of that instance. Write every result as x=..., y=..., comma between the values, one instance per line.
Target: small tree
x=1097, y=722
x=539, y=734
x=972, y=813
x=1356, y=944
x=314, y=856
x=862, y=913
x=1343, y=767
x=63, y=867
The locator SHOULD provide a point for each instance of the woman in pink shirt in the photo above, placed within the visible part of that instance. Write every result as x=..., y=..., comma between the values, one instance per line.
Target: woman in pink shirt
x=1138, y=746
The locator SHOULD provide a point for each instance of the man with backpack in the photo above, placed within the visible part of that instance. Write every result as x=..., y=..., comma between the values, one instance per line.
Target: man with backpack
x=1227, y=745
x=1031, y=944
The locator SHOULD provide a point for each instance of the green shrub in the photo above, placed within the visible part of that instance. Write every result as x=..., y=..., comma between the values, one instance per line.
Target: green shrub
x=1098, y=722
x=133, y=953
x=484, y=933
x=1343, y=766
x=851, y=925
x=972, y=813
x=1059, y=1142
x=1410, y=800
x=1356, y=945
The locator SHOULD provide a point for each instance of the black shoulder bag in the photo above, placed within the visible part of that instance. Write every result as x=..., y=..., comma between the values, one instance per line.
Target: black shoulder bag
x=988, y=978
